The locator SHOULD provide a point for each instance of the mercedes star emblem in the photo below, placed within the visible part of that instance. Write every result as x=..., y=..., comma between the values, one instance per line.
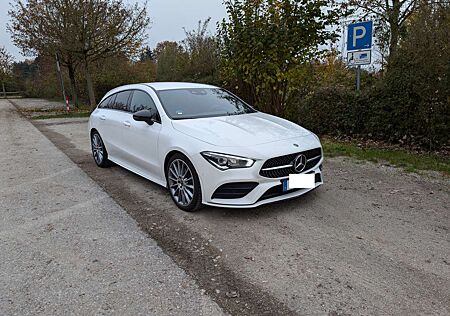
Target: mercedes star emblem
x=300, y=163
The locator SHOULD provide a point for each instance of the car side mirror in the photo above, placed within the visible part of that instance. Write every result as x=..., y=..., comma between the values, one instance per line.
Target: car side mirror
x=147, y=116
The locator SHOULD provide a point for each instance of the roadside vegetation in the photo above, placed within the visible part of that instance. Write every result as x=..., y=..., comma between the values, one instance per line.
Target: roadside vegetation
x=271, y=53
x=62, y=115
x=57, y=112
x=394, y=156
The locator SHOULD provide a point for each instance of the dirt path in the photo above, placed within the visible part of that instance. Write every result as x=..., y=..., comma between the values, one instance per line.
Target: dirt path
x=372, y=240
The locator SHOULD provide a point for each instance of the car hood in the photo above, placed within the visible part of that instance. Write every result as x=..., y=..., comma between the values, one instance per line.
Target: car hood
x=240, y=130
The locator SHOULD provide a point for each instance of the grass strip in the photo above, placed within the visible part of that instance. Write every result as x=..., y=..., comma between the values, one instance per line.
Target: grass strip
x=409, y=161
x=61, y=115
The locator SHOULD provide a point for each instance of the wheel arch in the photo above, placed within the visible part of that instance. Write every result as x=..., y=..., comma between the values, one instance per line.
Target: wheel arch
x=93, y=129
x=167, y=158
x=169, y=155
x=181, y=152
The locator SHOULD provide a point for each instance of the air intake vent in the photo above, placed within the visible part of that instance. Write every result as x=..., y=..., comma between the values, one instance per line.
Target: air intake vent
x=235, y=190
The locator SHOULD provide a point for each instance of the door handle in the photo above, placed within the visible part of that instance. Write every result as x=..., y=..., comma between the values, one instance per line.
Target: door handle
x=102, y=117
x=127, y=124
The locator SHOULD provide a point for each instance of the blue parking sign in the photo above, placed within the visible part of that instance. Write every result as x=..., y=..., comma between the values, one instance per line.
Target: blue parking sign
x=359, y=36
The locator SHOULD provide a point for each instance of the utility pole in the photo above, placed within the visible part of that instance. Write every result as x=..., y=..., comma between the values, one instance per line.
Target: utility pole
x=58, y=68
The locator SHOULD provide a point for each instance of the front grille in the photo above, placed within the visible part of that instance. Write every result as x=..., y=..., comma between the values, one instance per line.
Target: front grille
x=313, y=156
x=235, y=190
x=278, y=189
x=275, y=191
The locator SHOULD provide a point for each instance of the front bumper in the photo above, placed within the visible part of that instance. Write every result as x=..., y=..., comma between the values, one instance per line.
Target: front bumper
x=266, y=190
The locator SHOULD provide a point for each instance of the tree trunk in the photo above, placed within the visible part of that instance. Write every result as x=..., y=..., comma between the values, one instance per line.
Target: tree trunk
x=89, y=86
x=393, y=41
x=73, y=83
x=394, y=21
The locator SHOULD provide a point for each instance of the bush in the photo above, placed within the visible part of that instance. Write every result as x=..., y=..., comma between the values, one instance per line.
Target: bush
x=380, y=113
x=410, y=105
x=113, y=72
x=331, y=110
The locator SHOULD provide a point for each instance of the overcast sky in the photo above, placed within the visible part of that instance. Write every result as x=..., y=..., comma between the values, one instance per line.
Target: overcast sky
x=168, y=19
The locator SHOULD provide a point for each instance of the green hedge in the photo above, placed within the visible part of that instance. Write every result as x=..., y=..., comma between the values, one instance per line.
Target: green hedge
x=381, y=113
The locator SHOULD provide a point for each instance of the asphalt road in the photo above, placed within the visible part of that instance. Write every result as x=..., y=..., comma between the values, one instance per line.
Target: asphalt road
x=373, y=240
x=67, y=248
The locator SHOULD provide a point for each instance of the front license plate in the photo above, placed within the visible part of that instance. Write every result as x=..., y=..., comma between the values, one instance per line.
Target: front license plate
x=299, y=181
x=285, y=185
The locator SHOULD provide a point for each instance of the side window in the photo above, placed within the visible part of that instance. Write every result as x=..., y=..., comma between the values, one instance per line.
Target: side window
x=104, y=104
x=121, y=102
x=110, y=104
x=141, y=101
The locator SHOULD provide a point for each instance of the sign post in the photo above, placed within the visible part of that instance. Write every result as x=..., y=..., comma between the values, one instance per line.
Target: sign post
x=358, y=78
x=359, y=47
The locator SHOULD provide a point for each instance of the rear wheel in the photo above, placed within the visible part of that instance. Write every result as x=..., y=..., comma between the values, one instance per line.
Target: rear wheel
x=99, y=151
x=183, y=183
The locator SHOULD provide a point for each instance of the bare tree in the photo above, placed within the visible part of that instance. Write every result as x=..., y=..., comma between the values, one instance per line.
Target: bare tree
x=202, y=53
x=5, y=65
x=41, y=27
x=108, y=28
x=81, y=31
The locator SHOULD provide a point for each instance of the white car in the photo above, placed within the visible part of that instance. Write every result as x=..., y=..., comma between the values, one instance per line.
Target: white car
x=203, y=143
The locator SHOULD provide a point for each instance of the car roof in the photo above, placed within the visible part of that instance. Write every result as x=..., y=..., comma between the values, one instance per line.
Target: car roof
x=158, y=86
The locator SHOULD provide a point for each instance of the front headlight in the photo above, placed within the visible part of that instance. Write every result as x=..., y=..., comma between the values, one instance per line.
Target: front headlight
x=224, y=161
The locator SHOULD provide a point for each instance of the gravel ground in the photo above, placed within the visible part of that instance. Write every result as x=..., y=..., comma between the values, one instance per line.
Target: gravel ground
x=66, y=247
x=38, y=104
x=372, y=240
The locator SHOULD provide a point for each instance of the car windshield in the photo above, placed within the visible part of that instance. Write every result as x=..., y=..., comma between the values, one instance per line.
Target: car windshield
x=198, y=102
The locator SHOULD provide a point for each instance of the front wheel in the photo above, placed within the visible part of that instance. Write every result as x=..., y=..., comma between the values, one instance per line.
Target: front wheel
x=183, y=183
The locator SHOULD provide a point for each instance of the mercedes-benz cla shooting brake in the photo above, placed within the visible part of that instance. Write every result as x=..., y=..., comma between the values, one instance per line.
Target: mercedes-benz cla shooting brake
x=204, y=144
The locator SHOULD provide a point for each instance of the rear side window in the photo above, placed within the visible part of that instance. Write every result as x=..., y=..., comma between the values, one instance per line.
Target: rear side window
x=141, y=101
x=110, y=104
x=121, y=102
x=104, y=104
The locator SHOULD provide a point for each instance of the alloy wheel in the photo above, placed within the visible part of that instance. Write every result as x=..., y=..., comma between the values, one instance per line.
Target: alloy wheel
x=181, y=182
x=97, y=149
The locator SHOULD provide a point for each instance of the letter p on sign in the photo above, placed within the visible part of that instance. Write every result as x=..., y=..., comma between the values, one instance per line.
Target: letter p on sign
x=362, y=32
x=359, y=36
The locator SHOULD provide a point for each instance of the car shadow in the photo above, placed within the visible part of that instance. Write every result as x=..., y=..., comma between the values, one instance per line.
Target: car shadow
x=304, y=201
x=268, y=210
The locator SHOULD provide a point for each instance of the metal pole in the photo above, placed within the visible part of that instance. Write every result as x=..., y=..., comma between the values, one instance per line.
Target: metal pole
x=358, y=78
x=4, y=90
x=58, y=67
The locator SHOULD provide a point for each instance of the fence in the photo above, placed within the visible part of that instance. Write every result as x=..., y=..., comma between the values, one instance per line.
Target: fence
x=11, y=94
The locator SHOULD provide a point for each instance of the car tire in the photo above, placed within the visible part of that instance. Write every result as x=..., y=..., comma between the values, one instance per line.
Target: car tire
x=99, y=150
x=183, y=183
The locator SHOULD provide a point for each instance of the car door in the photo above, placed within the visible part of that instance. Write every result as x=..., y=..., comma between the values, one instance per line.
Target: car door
x=102, y=123
x=117, y=122
x=142, y=138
